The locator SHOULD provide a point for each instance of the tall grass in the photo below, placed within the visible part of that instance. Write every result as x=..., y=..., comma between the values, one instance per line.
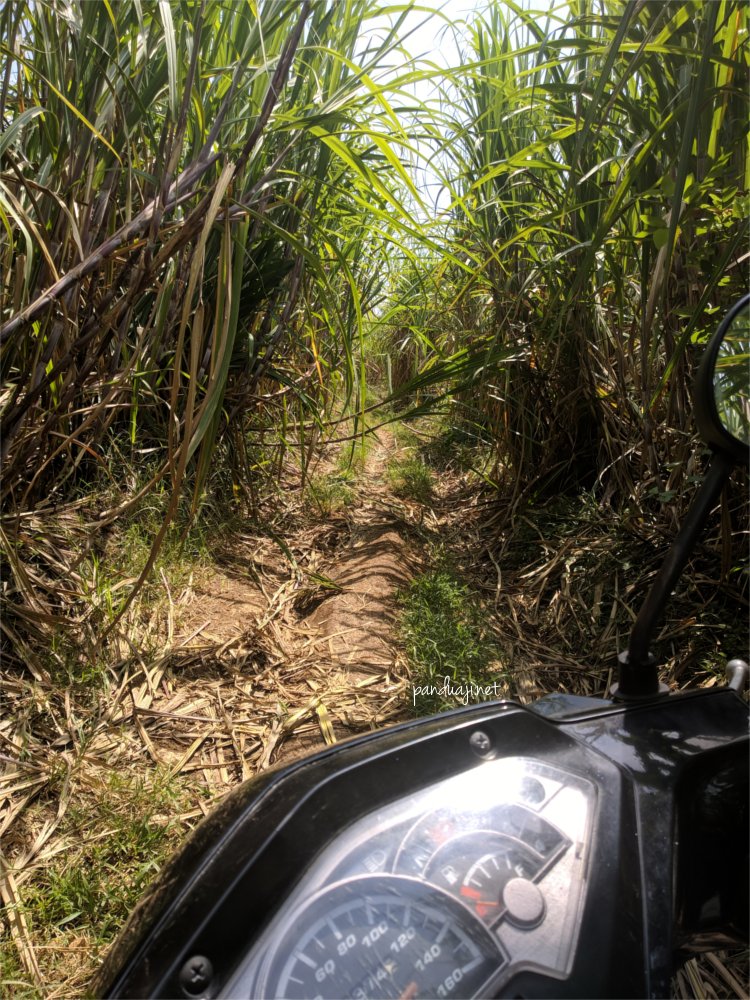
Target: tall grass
x=596, y=166
x=193, y=199
x=209, y=214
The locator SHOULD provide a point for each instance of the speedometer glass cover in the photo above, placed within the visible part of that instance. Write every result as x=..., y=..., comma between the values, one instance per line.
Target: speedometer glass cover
x=445, y=892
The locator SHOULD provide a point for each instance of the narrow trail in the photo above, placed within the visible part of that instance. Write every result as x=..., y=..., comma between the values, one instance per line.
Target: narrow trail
x=329, y=625
x=358, y=620
x=259, y=659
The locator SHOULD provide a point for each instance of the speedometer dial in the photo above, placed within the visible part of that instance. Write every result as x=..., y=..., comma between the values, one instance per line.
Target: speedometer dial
x=382, y=937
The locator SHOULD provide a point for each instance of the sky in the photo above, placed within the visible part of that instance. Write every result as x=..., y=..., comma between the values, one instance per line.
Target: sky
x=426, y=31
x=425, y=34
x=429, y=34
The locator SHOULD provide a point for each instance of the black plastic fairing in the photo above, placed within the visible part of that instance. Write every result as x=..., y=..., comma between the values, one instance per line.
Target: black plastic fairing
x=644, y=761
x=227, y=899
x=712, y=819
x=223, y=837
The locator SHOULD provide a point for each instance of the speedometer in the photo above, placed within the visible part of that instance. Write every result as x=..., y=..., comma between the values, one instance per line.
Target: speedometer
x=381, y=936
x=442, y=893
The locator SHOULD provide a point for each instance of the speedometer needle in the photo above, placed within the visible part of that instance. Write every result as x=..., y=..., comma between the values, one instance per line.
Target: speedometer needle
x=410, y=992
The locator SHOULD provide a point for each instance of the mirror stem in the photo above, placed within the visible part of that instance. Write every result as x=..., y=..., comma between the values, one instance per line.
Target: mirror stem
x=639, y=676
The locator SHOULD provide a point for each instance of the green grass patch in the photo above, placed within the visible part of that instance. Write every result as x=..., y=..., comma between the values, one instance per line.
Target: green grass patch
x=353, y=456
x=445, y=634
x=331, y=493
x=126, y=835
x=187, y=549
x=14, y=981
x=405, y=435
x=70, y=666
x=410, y=478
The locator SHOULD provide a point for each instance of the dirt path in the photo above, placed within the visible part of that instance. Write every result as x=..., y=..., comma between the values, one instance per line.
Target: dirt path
x=261, y=658
x=328, y=626
x=358, y=620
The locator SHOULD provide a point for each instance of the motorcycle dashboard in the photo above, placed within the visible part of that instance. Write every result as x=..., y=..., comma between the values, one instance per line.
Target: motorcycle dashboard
x=495, y=851
x=447, y=891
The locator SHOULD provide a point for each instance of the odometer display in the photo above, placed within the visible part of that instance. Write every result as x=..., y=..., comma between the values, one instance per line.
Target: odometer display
x=382, y=937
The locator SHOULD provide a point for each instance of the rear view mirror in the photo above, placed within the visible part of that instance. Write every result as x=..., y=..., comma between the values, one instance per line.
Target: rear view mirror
x=722, y=386
x=732, y=378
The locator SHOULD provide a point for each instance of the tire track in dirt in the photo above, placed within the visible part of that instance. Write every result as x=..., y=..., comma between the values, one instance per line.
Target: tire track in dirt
x=333, y=660
x=359, y=620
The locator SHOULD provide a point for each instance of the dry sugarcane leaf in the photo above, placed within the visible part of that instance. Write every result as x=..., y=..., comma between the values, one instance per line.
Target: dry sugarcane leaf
x=19, y=930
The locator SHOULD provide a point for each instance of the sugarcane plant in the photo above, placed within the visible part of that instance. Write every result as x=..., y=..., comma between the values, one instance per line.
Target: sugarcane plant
x=192, y=198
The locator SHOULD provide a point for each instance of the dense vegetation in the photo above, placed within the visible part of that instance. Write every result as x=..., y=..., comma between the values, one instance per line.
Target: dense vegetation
x=220, y=249
x=211, y=229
